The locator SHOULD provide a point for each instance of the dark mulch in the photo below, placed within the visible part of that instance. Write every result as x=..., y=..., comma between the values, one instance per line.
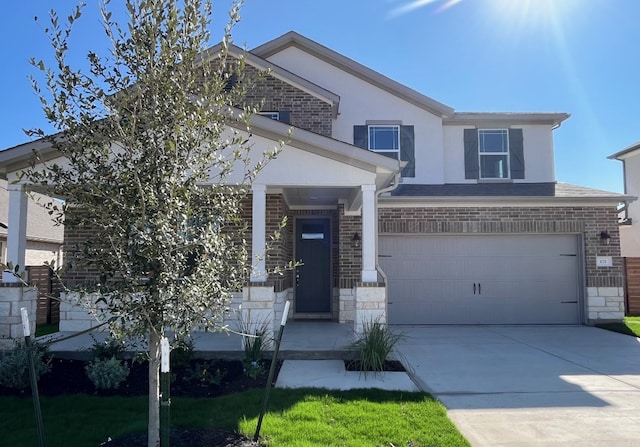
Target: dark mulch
x=193, y=437
x=69, y=377
x=389, y=366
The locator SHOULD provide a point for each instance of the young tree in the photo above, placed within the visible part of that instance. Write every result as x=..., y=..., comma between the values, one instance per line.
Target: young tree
x=141, y=132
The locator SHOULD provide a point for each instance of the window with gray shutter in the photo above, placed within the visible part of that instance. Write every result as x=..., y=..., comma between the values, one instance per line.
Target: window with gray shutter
x=493, y=154
x=395, y=141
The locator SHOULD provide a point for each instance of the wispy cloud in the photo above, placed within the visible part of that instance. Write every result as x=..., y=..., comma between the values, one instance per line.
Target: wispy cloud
x=416, y=4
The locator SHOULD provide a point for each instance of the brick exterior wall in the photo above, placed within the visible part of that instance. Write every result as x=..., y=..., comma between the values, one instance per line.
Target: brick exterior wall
x=307, y=111
x=588, y=221
x=281, y=249
x=350, y=257
x=74, y=239
x=270, y=94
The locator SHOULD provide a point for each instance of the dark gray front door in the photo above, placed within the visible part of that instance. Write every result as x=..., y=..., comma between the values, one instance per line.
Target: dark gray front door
x=313, y=279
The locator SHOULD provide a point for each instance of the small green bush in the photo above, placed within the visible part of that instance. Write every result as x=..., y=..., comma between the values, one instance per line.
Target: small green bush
x=107, y=374
x=374, y=345
x=14, y=365
x=205, y=373
x=110, y=347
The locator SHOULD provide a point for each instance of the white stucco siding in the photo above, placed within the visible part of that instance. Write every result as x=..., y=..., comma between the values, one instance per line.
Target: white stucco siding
x=538, y=153
x=297, y=167
x=454, y=155
x=38, y=253
x=361, y=102
x=630, y=234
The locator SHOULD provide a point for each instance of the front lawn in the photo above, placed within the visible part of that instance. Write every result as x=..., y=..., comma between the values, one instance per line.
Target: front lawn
x=630, y=326
x=307, y=417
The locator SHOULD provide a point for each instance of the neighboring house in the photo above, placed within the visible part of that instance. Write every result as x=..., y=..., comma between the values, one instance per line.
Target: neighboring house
x=403, y=209
x=43, y=238
x=630, y=226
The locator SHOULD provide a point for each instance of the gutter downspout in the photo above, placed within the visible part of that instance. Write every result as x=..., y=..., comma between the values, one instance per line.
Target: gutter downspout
x=389, y=188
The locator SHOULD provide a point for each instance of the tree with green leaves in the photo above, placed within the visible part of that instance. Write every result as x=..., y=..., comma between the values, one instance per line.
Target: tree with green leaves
x=149, y=137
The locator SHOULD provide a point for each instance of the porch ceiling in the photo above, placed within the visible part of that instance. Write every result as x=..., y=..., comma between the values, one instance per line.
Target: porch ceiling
x=318, y=196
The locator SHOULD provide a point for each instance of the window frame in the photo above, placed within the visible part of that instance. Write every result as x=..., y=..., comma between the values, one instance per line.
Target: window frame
x=273, y=115
x=488, y=154
x=385, y=151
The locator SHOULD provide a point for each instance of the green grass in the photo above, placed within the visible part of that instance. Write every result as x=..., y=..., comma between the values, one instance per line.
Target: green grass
x=308, y=417
x=630, y=326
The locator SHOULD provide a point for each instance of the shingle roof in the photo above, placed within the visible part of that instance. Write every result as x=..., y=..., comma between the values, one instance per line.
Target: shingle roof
x=542, y=190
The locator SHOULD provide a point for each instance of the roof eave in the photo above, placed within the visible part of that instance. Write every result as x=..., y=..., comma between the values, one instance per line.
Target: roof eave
x=487, y=118
x=626, y=152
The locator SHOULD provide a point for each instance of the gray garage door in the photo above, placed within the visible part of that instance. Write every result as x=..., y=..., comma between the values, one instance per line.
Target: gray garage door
x=482, y=279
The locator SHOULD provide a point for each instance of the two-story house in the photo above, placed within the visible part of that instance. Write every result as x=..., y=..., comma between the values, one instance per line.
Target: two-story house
x=403, y=209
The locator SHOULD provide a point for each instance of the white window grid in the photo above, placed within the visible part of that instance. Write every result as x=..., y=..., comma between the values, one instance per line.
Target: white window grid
x=394, y=129
x=502, y=153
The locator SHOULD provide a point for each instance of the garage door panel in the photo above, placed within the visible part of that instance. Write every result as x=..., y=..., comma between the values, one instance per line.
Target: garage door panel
x=530, y=279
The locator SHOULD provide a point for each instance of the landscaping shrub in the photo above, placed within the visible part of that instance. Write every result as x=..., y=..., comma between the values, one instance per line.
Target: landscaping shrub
x=110, y=347
x=107, y=374
x=374, y=345
x=256, y=339
x=14, y=365
x=205, y=373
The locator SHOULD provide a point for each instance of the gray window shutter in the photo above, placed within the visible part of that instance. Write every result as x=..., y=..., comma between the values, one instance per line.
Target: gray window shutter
x=516, y=153
x=284, y=117
x=361, y=137
x=471, y=162
x=407, y=150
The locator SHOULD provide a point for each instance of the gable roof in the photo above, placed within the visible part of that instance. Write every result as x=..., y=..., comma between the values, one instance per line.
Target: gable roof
x=293, y=39
x=21, y=156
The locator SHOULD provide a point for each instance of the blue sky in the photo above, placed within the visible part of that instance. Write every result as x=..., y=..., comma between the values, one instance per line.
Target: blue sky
x=574, y=56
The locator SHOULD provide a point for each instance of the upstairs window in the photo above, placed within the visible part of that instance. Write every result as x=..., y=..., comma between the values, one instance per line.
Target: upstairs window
x=493, y=145
x=496, y=154
x=396, y=141
x=385, y=139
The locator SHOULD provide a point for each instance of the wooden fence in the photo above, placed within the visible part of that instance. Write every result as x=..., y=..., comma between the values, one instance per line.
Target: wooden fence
x=48, y=311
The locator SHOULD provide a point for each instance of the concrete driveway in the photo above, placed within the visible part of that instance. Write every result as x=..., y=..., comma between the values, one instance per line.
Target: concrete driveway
x=531, y=385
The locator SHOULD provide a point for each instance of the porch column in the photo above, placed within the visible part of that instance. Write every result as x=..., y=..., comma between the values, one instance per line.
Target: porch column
x=258, y=233
x=17, y=231
x=369, y=231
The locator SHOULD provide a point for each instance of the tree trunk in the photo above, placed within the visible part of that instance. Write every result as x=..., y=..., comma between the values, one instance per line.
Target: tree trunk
x=154, y=389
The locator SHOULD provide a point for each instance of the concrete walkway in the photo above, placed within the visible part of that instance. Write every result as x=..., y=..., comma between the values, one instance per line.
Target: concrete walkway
x=531, y=386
